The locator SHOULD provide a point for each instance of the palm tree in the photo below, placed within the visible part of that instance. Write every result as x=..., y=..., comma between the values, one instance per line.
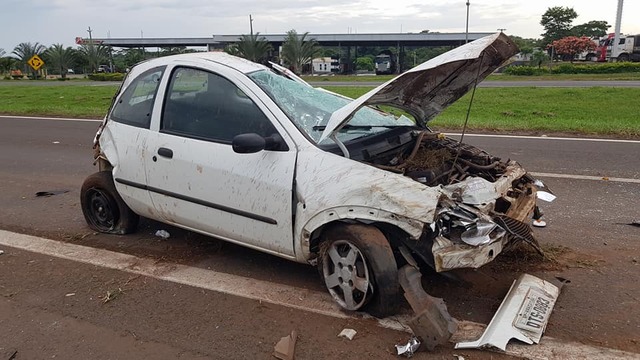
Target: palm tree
x=92, y=55
x=25, y=51
x=6, y=64
x=251, y=47
x=61, y=58
x=296, y=51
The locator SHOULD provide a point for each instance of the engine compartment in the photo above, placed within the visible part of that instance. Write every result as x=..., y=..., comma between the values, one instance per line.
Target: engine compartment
x=434, y=159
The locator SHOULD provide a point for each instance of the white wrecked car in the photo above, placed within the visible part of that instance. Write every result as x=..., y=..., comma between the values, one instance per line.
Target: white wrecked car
x=229, y=148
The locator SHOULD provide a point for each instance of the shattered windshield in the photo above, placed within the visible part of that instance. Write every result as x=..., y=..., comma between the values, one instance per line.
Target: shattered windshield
x=310, y=108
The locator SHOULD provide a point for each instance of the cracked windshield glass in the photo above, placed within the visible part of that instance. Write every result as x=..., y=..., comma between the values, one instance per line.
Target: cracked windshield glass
x=310, y=108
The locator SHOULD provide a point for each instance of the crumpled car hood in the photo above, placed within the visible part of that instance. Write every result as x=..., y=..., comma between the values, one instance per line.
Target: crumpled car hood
x=427, y=89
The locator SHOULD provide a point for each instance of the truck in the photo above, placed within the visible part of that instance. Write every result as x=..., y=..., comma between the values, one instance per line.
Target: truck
x=628, y=48
x=385, y=62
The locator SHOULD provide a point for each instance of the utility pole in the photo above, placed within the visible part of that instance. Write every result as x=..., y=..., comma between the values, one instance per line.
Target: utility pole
x=466, y=32
x=251, y=24
x=616, y=37
x=501, y=29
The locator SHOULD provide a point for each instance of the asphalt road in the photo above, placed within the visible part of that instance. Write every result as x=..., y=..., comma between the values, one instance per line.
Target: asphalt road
x=588, y=218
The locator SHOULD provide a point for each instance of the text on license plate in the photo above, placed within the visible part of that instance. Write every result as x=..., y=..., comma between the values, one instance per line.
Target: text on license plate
x=534, y=312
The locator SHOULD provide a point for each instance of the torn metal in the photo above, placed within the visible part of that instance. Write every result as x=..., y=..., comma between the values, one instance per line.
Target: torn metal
x=523, y=314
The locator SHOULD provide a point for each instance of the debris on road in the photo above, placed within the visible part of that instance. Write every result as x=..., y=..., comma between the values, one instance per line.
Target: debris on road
x=50, y=193
x=70, y=294
x=432, y=324
x=523, y=314
x=409, y=348
x=111, y=295
x=635, y=223
x=347, y=333
x=13, y=356
x=286, y=347
x=163, y=234
x=458, y=357
x=1, y=252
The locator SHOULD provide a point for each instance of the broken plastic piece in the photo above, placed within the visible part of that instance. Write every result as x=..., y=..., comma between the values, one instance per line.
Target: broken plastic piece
x=410, y=348
x=163, y=234
x=1, y=252
x=50, y=193
x=523, y=314
x=347, y=333
x=433, y=324
x=286, y=347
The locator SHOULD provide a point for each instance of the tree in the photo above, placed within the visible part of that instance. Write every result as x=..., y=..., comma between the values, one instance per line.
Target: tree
x=91, y=55
x=592, y=29
x=6, y=64
x=557, y=23
x=60, y=58
x=25, y=51
x=364, y=63
x=296, y=51
x=251, y=47
x=572, y=45
x=539, y=58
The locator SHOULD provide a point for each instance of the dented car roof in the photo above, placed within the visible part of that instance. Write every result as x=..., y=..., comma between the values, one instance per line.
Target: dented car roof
x=429, y=88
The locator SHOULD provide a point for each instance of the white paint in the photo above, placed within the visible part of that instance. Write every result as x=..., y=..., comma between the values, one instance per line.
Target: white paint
x=279, y=294
x=586, y=177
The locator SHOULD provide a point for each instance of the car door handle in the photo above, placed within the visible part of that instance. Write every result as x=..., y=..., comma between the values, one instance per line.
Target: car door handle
x=164, y=152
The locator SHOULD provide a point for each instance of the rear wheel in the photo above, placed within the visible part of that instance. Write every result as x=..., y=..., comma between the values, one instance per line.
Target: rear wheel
x=623, y=57
x=103, y=208
x=359, y=270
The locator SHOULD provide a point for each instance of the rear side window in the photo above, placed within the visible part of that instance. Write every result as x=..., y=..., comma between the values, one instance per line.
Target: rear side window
x=136, y=103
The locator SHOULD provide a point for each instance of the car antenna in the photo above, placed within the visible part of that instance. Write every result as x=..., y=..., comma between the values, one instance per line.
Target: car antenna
x=466, y=120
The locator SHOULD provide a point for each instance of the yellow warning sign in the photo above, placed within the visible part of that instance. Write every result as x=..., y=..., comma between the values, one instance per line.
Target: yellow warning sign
x=35, y=62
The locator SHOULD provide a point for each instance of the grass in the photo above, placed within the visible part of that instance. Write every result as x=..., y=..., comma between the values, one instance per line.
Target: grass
x=601, y=111
x=70, y=101
x=493, y=77
x=591, y=111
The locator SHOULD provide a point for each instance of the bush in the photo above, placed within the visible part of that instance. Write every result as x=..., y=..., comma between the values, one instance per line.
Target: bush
x=525, y=70
x=607, y=68
x=106, y=76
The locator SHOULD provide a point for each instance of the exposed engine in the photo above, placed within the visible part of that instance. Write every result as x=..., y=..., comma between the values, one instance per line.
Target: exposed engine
x=435, y=159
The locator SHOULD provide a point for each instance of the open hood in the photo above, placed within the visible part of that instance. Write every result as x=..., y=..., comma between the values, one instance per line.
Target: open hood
x=427, y=89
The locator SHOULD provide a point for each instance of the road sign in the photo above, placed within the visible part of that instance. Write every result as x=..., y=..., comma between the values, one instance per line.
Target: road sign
x=35, y=62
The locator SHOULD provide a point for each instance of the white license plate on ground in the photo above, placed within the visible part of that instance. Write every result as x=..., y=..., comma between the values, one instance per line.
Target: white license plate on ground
x=535, y=311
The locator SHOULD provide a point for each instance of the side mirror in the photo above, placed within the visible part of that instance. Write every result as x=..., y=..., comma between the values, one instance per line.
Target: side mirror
x=248, y=143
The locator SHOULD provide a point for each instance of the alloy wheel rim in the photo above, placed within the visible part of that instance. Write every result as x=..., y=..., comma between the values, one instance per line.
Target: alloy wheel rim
x=346, y=275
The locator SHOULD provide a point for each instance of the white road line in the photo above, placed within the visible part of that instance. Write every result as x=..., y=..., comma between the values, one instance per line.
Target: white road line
x=47, y=118
x=284, y=295
x=547, y=138
x=586, y=177
x=448, y=134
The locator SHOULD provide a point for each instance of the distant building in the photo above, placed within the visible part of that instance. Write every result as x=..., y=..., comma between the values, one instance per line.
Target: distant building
x=325, y=65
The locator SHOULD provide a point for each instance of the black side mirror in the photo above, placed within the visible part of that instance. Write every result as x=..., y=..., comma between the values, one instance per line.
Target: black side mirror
x=248, y=143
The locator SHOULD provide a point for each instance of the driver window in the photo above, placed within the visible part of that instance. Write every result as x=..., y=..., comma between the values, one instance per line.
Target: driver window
x=207, y=106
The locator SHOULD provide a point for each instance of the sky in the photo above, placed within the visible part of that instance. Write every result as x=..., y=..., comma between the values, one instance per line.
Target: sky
x=60, y=21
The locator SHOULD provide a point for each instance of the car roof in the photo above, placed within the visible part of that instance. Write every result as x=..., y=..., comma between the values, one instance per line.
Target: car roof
x=240, y=64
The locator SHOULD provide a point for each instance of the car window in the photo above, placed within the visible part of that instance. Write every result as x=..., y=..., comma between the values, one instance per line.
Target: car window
x=136, y=103
x=207, y=106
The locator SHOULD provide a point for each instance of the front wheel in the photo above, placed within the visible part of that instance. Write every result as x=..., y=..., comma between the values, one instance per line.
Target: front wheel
x=623, y=57
x=103, y=208
x=359, y=269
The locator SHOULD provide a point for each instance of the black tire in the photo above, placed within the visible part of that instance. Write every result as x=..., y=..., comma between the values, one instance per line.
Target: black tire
x=103, y=208
x=623, y=57
x=373, y=261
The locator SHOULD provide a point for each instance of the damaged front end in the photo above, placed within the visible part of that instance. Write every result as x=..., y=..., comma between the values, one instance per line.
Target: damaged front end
x=485, y=206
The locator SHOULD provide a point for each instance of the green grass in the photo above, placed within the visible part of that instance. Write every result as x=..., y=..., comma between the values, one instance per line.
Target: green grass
x=493, y=77
x=71, y=101
x=592, y=111
x=589, y=111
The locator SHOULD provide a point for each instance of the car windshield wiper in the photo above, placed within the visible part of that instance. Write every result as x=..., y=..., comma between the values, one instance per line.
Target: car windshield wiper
x=359, y=127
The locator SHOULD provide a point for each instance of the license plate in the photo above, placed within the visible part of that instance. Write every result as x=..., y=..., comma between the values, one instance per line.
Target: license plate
x=534, y=312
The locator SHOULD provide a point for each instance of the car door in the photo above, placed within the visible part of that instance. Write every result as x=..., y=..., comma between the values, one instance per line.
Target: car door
x=198, y=182
x=124, y=136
